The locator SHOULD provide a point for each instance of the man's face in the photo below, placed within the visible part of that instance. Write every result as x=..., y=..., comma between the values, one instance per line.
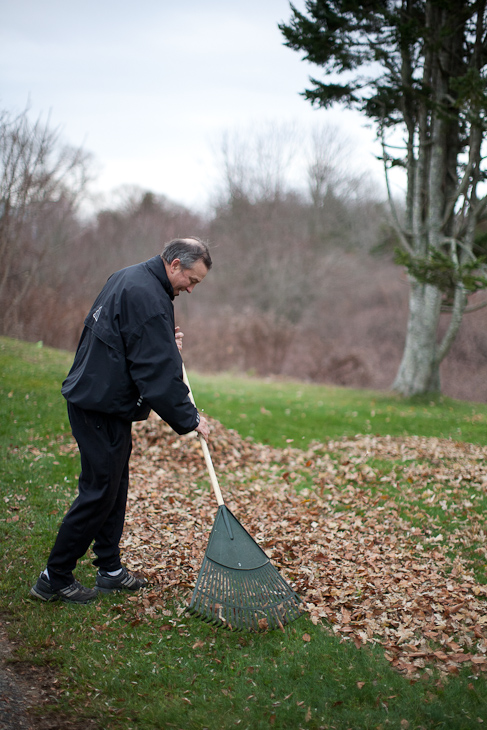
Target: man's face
x=185, y=279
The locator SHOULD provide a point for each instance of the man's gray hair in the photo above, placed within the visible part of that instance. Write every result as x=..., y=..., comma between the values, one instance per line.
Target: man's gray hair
x=188, y=251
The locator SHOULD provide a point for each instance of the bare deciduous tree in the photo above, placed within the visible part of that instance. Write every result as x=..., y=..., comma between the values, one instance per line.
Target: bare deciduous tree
x=41, y=182
x=344, y=201
x=256, y=163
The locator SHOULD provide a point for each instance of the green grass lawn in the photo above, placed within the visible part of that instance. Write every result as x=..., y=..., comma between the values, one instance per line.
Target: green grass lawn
x=174, y=671
x=273, y=411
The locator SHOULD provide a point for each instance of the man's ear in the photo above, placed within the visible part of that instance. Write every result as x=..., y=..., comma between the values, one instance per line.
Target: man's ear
x=175, y=265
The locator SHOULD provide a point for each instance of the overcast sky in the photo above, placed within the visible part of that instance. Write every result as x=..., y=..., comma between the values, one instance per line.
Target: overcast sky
x=149, y=87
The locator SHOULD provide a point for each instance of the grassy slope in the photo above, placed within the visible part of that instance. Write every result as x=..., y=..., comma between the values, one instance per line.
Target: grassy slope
x=272, y=411
x=174, y=671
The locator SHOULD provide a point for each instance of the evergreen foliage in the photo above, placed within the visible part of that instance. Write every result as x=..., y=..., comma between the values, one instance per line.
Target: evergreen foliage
x=417, y=69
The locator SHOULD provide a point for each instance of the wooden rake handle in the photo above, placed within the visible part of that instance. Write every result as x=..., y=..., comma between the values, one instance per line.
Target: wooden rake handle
x=206, y=451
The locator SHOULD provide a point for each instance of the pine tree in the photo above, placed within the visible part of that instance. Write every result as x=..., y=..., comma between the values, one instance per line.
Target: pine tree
x=416, y=67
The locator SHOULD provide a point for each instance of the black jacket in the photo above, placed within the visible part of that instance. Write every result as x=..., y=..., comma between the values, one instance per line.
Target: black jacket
x=127, y=360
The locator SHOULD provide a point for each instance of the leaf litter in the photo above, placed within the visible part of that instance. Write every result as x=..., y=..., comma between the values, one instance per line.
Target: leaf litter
x=372, y=563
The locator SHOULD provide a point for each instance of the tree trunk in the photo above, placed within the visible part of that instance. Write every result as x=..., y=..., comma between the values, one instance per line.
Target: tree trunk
x=419, y=371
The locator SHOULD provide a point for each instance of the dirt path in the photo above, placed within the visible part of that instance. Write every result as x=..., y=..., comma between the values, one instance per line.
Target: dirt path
x=16, y=696
x=28, y=694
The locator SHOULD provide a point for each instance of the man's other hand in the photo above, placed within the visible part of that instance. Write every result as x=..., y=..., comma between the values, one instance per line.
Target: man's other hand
x=203, y=428
x=179, y=338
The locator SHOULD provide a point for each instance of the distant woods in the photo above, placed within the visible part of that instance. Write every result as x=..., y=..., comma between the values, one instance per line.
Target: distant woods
x=303, y=283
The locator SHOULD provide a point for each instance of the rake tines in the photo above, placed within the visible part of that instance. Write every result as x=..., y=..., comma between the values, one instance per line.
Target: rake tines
x=237, y=585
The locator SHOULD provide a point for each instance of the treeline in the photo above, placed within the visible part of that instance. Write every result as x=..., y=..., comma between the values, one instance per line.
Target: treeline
x=303, y=283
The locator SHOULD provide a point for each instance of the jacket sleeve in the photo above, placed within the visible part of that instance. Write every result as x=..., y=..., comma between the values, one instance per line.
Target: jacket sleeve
x=155, y=366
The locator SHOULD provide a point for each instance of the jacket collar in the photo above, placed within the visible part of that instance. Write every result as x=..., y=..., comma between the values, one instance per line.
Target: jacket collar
x=156, y=266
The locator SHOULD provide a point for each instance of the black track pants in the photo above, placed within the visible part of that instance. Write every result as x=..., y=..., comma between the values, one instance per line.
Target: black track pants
x=97, y=514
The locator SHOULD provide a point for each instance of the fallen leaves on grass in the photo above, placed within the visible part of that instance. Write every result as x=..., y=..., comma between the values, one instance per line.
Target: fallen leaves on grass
x=373, y=571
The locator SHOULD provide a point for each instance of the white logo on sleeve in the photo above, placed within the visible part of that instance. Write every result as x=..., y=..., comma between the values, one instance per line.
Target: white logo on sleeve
x=97, y=314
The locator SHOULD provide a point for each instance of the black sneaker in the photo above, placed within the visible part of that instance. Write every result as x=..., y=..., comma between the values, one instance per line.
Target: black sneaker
x=123, y=581
x=74, y=593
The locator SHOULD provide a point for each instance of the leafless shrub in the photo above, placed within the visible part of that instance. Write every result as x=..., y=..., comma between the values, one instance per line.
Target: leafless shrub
x=41, y=182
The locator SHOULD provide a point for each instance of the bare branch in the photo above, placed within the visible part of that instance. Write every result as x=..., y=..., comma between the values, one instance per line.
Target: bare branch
x=397, y=226
x=41, y=182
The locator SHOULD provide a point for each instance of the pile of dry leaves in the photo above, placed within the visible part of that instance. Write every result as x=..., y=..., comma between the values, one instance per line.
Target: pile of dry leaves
x=344, y=544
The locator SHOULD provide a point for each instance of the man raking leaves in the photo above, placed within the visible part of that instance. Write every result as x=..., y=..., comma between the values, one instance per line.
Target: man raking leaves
x=127, y=363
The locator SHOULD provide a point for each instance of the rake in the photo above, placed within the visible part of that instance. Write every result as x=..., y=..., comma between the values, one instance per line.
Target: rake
x=237, y=586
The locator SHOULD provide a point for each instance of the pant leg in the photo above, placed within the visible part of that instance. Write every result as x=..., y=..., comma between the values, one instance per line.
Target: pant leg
x=104, y=443
x=106, y=545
